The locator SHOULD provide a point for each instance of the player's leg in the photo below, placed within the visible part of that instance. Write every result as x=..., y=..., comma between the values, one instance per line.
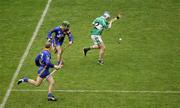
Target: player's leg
x=36, y=82
x=101, y=53
x=53, y=45
x=50, y=88
x=59, y=53
x=51, y=83
x=98, y=44
x=42, y=73
x=94, y=46
x=101, y=45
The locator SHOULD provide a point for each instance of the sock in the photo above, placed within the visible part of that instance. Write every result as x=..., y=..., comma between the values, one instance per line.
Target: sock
x=25, y=79
x=50, y=94
x=100, y=59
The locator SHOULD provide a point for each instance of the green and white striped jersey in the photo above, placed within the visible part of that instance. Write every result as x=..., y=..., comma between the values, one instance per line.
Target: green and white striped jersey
x=99, y=24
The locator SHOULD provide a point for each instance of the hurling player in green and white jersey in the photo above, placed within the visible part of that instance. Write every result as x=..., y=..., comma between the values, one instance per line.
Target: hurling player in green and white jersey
x=99, y=24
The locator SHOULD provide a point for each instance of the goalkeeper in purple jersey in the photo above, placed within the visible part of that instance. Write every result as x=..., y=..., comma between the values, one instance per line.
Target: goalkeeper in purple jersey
x=57, y=40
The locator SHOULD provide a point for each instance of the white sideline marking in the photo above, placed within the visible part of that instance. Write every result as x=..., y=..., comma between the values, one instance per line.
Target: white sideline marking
x=8, y=92
x=98, y=91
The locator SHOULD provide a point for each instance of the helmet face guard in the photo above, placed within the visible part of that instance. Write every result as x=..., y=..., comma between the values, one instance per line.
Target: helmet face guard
x=106, y=14
x=66, y=24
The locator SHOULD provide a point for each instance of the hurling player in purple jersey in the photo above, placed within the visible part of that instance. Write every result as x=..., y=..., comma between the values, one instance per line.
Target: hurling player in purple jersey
x=43, y=61
x=56, y=36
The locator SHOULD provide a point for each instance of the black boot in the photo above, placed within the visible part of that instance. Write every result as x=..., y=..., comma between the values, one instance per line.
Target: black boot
x=52, y=98
x=85, y=50
x=100, y=62
x=20, y=81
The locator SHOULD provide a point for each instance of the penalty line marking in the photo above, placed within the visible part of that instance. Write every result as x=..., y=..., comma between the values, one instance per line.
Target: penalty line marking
x=98, y=91
x=8, y=92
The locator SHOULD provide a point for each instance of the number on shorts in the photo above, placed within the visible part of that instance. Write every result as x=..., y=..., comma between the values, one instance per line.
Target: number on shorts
x=97, y=40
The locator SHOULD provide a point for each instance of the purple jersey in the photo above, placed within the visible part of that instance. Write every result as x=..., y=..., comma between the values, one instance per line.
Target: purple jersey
x=46, y=59
x=60, y=34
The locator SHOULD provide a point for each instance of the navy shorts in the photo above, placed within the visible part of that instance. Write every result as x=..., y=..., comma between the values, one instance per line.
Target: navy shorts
x=57, y=43
x=43, y=72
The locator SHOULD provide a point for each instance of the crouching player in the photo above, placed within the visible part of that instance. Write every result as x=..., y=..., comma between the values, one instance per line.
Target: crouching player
x=57, y=41
x=43, y=61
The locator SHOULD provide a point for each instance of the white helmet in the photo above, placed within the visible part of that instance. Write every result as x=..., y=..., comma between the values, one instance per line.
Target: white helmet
x=106, y=14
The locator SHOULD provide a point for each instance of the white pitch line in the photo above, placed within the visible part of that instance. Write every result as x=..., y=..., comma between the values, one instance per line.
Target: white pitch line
x=97, y=91
x=8, y=92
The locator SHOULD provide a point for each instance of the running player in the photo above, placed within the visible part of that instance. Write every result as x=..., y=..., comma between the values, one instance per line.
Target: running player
x=57, y=41
x=99, y=24
x=43, y=61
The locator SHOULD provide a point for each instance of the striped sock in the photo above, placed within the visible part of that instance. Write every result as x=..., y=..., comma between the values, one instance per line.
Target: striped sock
x=25, y=79
x=50, y=94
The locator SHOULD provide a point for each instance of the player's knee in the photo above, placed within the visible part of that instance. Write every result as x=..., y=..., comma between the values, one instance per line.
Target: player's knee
x=94, y=47
x=37, y=84
x=102, y=47
x=99, y=46
x=60, y=51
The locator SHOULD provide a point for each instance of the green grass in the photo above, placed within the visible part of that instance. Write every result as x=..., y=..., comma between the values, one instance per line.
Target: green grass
x=17, y=23
x=97, y=100
x=147, y=58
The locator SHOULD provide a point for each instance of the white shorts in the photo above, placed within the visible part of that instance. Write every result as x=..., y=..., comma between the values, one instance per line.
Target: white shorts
x=96, y=39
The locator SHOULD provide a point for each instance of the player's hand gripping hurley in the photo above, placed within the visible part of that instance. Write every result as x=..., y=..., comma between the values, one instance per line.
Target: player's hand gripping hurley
x=115, y=18
x=57, y=67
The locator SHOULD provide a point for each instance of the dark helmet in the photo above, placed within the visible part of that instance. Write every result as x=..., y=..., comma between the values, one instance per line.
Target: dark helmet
x=66, y=24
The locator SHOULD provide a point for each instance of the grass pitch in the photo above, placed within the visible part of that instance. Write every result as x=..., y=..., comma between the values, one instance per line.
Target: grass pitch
x=146, y=59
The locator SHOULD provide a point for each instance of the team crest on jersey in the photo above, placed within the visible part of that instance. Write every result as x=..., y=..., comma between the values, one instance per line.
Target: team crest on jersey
x=48, y=57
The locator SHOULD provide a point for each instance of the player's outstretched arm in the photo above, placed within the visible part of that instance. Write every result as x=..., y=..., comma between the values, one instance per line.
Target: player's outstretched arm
x=57, y=66
x=70, y=37
x=49, y=36
x=115, y=18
